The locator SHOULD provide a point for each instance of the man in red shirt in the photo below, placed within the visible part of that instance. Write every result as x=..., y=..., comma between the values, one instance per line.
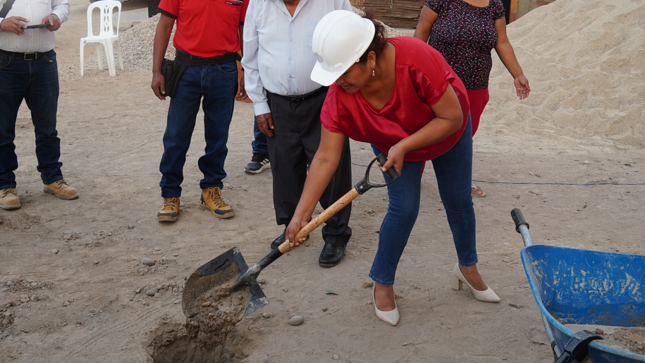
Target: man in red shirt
x=207, y=38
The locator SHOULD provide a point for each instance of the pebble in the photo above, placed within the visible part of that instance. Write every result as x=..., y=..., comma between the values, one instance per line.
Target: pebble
x=137, y=291
x=177, y=301
x=336, y=357
x=5, y=289
x=9, y=283
x=66, y=303
x=148, y=261
x=367, y=284
x=130, y=227
x=24, y=298
x=296, y=320
x=96, y=262
x=266, y=315
x=55, y=251
x=152, y=291
x=175, y=254
x=157, y=249
x=324, y=310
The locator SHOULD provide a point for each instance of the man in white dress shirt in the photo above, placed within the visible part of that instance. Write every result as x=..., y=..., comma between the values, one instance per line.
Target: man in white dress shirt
x=277, y=65
x=28, y=72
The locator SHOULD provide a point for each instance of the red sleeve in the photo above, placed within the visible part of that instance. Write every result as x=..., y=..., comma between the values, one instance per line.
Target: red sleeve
x=329, y=113
x=431, y=76
x=170, y=6
x=245, y=5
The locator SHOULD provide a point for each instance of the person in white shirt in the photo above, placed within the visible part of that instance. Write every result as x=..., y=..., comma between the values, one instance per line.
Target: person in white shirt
x=28, y=72
x=277, y=65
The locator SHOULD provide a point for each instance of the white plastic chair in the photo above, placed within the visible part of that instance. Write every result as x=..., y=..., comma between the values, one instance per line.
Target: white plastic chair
x=107, y=35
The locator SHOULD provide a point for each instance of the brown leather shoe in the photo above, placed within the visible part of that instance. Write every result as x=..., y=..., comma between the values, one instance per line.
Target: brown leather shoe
x=169, y=210
x=61, y=189
x=213, y=201
x=9, y=199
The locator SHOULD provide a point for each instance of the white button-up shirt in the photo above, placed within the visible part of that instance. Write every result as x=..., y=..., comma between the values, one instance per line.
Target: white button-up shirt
x=277, y=48
x=33, y=40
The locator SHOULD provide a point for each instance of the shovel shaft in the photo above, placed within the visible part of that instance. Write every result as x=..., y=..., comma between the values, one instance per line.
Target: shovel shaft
x=321, y=218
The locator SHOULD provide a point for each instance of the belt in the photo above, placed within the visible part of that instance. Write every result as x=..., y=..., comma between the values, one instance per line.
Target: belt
x=189, y=59
x=300, y=98
x=25, y=56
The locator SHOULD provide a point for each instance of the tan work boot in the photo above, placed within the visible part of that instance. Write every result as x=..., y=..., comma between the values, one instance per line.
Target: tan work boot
x=213, y=201
x=9, y=199
x=61, y=189
x=169, y=210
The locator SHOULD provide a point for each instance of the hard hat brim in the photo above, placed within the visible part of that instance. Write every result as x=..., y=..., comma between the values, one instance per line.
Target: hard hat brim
x=325, y=77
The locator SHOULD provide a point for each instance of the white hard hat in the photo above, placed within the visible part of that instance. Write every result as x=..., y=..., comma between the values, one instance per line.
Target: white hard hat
x=340, y=39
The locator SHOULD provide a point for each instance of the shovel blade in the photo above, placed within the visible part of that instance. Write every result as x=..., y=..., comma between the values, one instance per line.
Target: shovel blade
x=223, y=269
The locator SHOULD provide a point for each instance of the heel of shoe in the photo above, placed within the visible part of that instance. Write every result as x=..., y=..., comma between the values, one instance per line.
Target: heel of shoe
x=487, y=295
x=456, y=283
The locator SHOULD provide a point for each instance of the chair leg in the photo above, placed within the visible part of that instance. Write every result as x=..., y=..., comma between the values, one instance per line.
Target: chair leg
x=99, y=55
x=82, y=47
x=109, y=54
x=118, y=51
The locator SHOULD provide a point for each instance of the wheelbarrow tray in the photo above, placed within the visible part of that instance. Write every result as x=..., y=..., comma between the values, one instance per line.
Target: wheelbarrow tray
x=574, y=286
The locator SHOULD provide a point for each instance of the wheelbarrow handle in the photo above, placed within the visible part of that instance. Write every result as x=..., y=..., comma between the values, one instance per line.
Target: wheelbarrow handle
x=519, y=220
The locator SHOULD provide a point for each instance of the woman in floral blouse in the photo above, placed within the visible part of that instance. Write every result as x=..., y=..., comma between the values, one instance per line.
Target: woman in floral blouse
x=465, y=32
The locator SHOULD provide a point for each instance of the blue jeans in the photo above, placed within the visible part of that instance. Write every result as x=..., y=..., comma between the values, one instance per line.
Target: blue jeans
x=259, y=143
x=214, y=85
x=35, y=81
x=453, y=170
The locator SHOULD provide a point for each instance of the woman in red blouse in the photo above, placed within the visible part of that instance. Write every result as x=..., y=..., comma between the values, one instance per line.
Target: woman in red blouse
x=401, y=96
x=465, y=32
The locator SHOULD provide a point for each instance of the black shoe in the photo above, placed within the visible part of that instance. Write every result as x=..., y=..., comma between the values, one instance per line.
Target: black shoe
x=331, y=255
x=280, y=240
x=258, y=163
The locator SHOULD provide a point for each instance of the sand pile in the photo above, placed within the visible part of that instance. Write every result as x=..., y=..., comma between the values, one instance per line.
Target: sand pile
x=585, y=62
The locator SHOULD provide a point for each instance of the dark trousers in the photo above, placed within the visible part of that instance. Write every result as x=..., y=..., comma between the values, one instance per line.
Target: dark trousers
x=36, y=82
x=214, y=86
x=259, y=143
x=295, y=140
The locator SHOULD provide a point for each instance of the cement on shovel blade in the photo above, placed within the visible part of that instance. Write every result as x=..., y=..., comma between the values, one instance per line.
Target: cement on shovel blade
x=221, y=271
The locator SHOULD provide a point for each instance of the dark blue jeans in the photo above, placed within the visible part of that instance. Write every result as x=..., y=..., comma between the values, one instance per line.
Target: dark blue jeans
x=259, y=143
x=35, y=81
x=453, y=170
x=215, y=86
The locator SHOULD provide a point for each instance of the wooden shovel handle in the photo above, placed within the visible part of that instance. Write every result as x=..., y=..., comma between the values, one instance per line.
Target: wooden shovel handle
x=322, y=217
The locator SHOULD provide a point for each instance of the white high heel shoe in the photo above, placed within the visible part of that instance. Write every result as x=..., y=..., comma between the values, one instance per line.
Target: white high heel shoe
x=487, y=295
x=391, y=317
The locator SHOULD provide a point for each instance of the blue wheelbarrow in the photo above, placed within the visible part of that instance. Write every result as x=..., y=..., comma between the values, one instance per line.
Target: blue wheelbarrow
x=574, y=286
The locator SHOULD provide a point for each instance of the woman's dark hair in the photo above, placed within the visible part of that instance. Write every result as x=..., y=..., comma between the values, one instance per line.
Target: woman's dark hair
x=379, y=41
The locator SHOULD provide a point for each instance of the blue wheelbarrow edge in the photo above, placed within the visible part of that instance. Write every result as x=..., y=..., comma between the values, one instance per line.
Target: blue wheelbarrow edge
x=606, y=351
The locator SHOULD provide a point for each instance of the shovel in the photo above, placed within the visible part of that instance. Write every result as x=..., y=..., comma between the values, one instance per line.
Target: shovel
x=231, y=266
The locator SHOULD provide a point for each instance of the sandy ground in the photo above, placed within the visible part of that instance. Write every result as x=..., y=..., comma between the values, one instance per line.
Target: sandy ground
x=87, y=302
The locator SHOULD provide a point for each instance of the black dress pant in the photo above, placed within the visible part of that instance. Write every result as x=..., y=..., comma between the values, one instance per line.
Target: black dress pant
x=296, y=136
